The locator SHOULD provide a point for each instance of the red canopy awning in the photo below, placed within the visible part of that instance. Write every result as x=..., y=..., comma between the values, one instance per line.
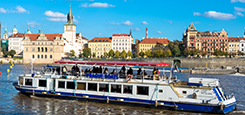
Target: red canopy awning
x=128, y=63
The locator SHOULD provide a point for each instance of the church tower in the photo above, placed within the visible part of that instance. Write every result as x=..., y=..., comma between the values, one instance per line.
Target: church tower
x=70, y=28
x=5, y=35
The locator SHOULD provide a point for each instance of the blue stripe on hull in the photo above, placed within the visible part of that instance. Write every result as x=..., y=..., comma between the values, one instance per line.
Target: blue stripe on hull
x=141, y=102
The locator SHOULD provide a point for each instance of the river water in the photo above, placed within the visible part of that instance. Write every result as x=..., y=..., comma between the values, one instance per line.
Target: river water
x=13, y=102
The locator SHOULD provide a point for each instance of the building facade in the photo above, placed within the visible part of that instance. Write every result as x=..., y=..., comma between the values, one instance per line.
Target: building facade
x=152, y=44
x=100, y=45
x=208, y=41
x=42, y=48
x=234, y=44
x=122, y=42
x=16, y=42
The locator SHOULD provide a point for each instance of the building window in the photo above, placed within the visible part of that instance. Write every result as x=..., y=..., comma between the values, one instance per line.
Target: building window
x=45, y=56
x=42, y=49
x=50, y=49
x=26, y=49
x=33, y=49
x=38, y=49
x=33, y=56
x=42, y=56
x=46, y=49
x=38, y=56
x=51, y=57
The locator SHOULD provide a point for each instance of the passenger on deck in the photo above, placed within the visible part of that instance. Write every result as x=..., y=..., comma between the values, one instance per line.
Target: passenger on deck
x=130, y=71
x=94, y=69
x=144, y=73
x=75, y=70
x=100, y=70
x=139, y=71
x=114, y=71
x=122, y=71
x=82, y=73
x=106, y=71
x=90, y=70
x=157, y=72
x=64, y=70
x=86, y=70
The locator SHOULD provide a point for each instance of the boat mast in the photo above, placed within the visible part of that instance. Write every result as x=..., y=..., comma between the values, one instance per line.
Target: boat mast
x=170, y=75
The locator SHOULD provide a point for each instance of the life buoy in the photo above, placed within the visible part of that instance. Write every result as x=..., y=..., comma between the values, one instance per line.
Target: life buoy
x=129, y=77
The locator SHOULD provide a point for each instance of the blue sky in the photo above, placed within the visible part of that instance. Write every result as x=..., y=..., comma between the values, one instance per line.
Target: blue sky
x=102, y=18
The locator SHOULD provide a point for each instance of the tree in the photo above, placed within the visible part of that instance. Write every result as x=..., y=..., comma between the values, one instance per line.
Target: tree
x=186, y=52
x=117, y=54
x=148, y=53
x=141, y=54
x=176, y=48
x=111, y=53
x=71, y=53
x=105, y=54
x=129, y=54
x=86, y=52
x=158, y=53
x=94, y=54
x=123, y=54
x=168, y=53
x=135, y=55
x=11, y=53
x=194, y=52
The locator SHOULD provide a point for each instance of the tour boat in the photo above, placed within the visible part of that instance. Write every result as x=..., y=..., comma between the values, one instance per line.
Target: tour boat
x=125, y=87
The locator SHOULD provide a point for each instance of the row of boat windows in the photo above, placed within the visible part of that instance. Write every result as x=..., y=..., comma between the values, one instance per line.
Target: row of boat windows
x=114, y=88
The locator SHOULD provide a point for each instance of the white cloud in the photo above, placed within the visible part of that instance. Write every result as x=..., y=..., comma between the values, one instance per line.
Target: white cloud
x=125, y=0
x=32, y=24
x=54, y=14
x=57, y=19
x=240, y=14
x=169, y=21
x=98, y=5
x=127, y=23
x=2, y=10
x=20, y=9
x=159, y=32
x=9, y=33
x=113, y=23
x=197, y=22
x=144, y=22
x=100, y=33
x=233, y=1
x=216, y=15
x=239, y=9
x=137, y=29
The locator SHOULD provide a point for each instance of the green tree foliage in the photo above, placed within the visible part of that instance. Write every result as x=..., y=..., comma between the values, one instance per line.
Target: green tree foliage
x=117, y=54
x=12, y=52
x=186, y=52
x=135, y=55
x=71, y=53
x=148, y=53
x=123, y=54
x=141, y=54
x=129, y=54
x=105, y=54
x=176, y=48
x=194, y=52
x=158, y=53
x=86, y=52
x=218, y=52
x=111, y=53
x=94, y=54
x=168, y=53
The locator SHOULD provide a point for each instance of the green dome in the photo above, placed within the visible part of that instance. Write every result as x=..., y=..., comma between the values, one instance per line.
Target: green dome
x=14, y=30
x=28, y=31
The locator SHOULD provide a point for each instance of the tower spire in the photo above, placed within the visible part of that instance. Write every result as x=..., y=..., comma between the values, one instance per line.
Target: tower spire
x=70, y=17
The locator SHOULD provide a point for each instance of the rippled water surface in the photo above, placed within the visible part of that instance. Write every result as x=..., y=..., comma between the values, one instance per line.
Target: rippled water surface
x=13, y=102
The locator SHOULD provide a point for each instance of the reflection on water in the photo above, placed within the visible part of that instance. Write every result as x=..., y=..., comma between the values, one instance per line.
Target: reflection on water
x=13, y=102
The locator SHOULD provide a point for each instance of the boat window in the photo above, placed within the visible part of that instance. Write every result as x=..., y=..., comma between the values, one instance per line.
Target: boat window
x=184, y=92
x=81, y=86
x=116, y=88
x=92, y=86
x=103, y=87
x=127, y=89
x=160, y=91
x=61, y=84
x=70, y=85
x=42, y=83
x=21, y=80
x=28, y=82
x=142, y=90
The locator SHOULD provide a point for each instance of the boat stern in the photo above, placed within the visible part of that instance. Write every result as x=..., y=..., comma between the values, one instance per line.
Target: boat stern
x=229, y=104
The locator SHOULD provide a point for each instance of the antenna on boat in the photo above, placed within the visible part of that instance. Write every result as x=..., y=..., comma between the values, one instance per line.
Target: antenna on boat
x=171, y=69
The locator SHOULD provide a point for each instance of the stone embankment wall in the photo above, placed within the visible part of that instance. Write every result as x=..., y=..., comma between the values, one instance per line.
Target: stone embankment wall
x=193, y=62
x=10, y=60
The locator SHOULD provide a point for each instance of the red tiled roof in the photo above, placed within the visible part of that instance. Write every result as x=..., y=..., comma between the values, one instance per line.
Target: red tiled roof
x=236, y=38
x=100, y=39
x=50, y=37
x=17, y=35
x=120, y=35
x=155, y=41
